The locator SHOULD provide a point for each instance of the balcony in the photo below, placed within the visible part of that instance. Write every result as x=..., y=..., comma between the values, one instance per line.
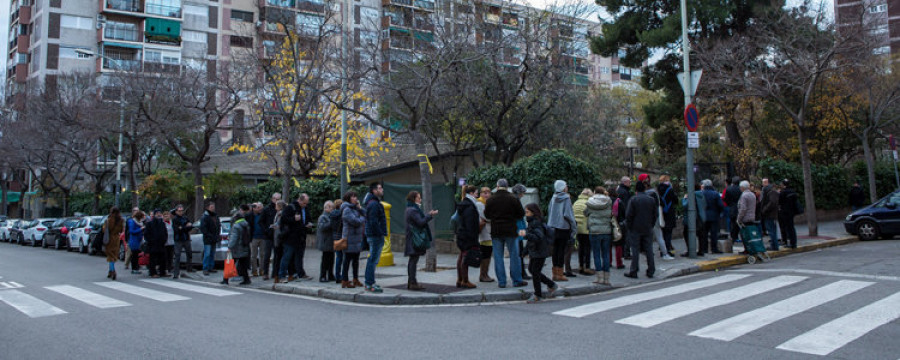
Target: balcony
x=22, y=44
x=133, y=6
x=25, y=14
x=511, y=20
x=121, y=64
x=121, y=31
x=21, y=72
x=420, y=4
x=164, y=10
x=281, y=3
x=162, y=31
x=121, y=57
x=314, y=6
x=165, y=68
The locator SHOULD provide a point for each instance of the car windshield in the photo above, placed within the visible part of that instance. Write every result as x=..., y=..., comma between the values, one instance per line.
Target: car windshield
x=70, y=223
x=226, y=226
x=48, y=223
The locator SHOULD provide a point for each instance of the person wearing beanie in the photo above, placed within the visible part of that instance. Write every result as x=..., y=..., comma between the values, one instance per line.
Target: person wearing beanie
x=562, y=219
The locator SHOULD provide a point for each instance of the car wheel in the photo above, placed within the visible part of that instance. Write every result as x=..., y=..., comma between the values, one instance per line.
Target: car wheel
x=81, y=247
x=867, y=230
x=34, y=242
x=44, y=242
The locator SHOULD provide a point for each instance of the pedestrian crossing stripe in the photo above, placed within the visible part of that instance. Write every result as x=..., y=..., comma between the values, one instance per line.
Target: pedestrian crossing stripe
x=688, y=307
x=29, y=305
x=192, y=288
x=142, y=292
x=87, y=297
x=10, y=285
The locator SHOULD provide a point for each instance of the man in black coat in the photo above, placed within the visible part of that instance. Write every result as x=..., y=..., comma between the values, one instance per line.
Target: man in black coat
x=211, y=229
x=623, y=193
x=641, y=215
x=466, y=235
x=732, y=196
x=182, y=227
x=267, y=220
x=788, y=208
x=857, y=196
x=297, y=222
x=156, y=235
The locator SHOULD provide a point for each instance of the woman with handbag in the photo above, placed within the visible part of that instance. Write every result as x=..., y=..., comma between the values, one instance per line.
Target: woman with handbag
x=325, y=243
x=135, y=238
x=113, y=226
x=600, y=226
x=353, y=235
x=418, y=236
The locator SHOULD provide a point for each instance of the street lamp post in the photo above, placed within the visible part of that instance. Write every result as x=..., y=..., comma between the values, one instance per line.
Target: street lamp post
x=118, y=188
x=631, y=144
x=689, y=156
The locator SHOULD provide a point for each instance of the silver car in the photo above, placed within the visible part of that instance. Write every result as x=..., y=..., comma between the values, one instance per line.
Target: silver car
x=197, y=242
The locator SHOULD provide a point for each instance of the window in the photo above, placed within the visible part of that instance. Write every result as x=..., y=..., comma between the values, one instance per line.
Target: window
x=880, y=29
x=369, y=13
x=170, y=8
x=238, y=15
x=76, y=22
x=162, y=56
x=878, y=8
x=120, y=31
x=198, y=10
x=309, y=24
x=621, y=53
x=604, y=70
x=269, y=46
x=882, y=50
x=196, y=64
x=193, y=36
x=70, y=53
x=241, y=41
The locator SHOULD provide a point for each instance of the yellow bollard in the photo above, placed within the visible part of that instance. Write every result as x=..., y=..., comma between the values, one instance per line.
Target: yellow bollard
x=387, y=256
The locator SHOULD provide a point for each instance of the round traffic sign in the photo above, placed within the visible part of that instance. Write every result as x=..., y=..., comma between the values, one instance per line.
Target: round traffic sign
x=691, y=118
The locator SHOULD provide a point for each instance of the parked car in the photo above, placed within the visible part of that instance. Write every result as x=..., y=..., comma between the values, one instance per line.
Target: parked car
x=34, y=233
x=197, y=242
x=4, y=228
x=80, y=237
x=58, y=232
x=15, y=231
x=879, y=220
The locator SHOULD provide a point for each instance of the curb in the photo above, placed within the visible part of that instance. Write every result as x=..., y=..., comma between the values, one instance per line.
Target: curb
x=727, y=261
x=411, y=299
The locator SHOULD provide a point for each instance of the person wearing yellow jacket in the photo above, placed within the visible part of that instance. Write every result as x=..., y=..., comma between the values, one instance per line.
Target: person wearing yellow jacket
x=582, y=235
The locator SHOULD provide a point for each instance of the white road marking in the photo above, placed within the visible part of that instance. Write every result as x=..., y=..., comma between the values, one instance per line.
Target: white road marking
x=601, y=306
x=87, y=297
x=831, y=336
x=732, y=328
x=189, y=287
x=143, y=292
x=822, y=272
x=29, y=305
x=688, y=307
x=10, y=285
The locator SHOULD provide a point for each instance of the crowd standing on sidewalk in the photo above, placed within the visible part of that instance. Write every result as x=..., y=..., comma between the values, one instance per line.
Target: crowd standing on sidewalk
x=601, y=225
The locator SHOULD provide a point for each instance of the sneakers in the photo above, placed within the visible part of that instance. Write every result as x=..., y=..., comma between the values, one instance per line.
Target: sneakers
x=374, y=288
x=667, y=257
x=521, y=284
x=533, y=299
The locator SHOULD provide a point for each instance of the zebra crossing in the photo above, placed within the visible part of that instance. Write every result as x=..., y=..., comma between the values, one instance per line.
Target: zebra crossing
x=103, y=295
x=831, y=334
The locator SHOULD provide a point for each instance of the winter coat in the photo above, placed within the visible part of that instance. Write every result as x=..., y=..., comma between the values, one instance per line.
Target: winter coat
x=668, y=198
x=376, y=221
x=277, y=229
x=561, y=215
x=268, y=219
x=135, y=235
x=295, y=230
x=598, y=214
x=182, y=227
x=503, y=209
x=155, y=233
x=354, y=223
x=417, y=218
x=323, y=233
x=112, y=247
x=538, y=245
x=580, y=218
x=747, y=208
x=484, y=237
x=337, y=225
x=467, y=233
x=857, y=197
x=714, y=204
x=732, y=195
x=788, y=203
x=769, y=203
x=236, y=241
x=642, y=213
x=210, y=227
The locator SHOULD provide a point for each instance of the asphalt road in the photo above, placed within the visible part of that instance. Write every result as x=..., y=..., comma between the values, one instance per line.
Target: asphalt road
x=837, y=303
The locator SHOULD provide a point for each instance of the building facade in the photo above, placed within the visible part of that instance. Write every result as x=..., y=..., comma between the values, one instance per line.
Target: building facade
x=880, y=18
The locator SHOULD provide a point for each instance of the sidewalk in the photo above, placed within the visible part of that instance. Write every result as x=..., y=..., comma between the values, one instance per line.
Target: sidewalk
x=440, y=286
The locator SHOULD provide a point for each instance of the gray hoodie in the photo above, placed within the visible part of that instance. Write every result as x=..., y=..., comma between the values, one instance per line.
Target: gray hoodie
x=599, y=215
x=560, y=213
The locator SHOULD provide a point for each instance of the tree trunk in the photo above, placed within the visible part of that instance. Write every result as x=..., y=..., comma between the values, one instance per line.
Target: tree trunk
x=4, y=203
x=427, y=201
x=811, y=218
x=65, y=203
x=870, y=166
x=198, y=190
x=132, y=179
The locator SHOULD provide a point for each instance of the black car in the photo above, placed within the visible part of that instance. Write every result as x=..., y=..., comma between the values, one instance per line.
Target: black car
x=16, y=232
x=54, y=236
x=879, y=220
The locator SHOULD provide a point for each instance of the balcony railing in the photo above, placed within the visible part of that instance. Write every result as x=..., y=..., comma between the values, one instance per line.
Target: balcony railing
x=126, y=65
x=124, y=5
x=311, y=6
x=125, y=32
x=164, y=10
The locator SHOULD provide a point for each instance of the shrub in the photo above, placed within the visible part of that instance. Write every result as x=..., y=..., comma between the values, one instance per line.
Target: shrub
x=830, y=182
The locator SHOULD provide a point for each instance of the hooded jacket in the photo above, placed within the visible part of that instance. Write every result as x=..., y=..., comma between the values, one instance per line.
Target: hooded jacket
x=354, y=226
x=236, y=241
x=561, y=215
x=598, y=211
x=580, y=218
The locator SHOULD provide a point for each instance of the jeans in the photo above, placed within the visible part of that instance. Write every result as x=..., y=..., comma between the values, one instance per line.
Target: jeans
x=713, y=229
x=170, y=252
x=256, y=248
x=584, y=251
x=350, y=259
x=338, y=264
x=769, y=224
x=375, y=246
x=209, y=257
x=786, y=223
x=601, y=248
x=180, y=246
x=535, y=267
x=411, y=268
x=326, y=265
x=286, y=258
x=560, y=242
x=515, y=262
x=667, y=237
x=639, y=241
x=657, y=233
x=266, y=257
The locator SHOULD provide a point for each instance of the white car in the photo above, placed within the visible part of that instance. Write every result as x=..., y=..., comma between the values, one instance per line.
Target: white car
x=80, y=235
x=221, y=248
x=4, y=228
x=34, y=232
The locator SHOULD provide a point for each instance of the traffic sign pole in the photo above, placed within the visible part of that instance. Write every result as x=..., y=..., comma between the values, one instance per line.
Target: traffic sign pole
x=688, y=85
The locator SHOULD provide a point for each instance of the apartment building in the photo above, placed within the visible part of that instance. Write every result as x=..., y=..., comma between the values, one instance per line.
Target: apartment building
x=880, y=18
